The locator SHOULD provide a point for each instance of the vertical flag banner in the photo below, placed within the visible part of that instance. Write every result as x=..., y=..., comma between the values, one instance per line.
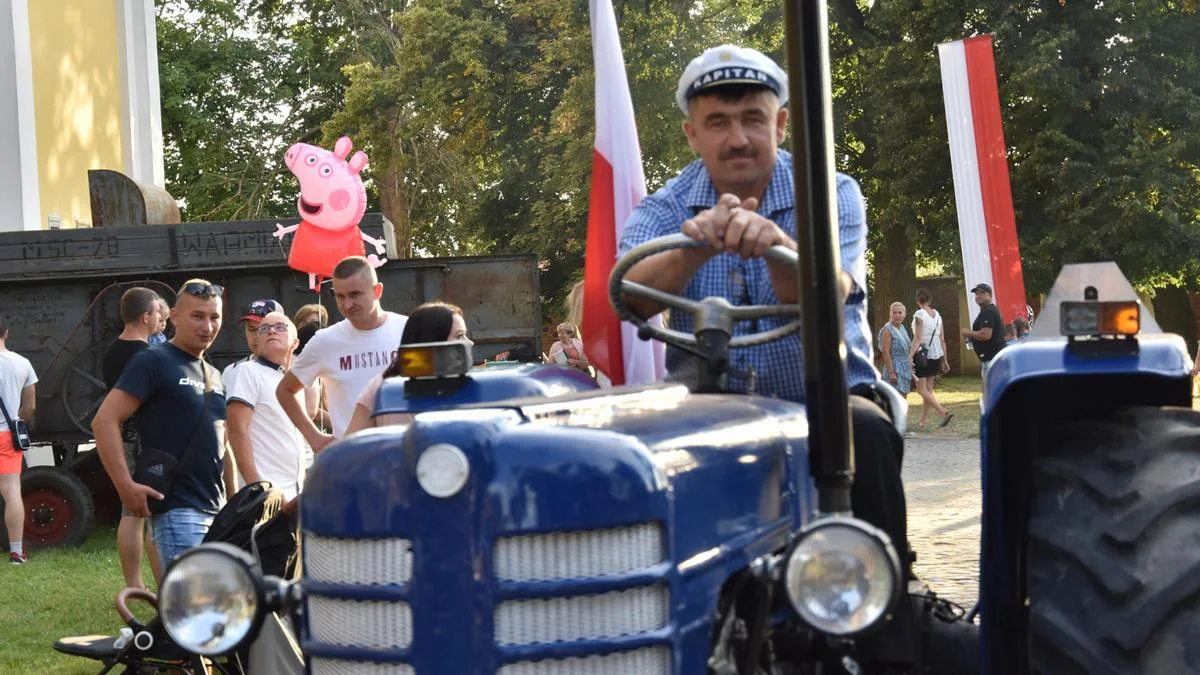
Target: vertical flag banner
x=987, y=227
x=618, y=184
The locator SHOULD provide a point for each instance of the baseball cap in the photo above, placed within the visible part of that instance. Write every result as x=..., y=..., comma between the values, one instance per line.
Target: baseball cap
x=256, y=310
x=730, y=64
x=981, y=287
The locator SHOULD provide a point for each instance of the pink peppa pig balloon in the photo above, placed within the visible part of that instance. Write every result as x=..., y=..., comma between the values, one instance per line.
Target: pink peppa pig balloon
x=331, y=204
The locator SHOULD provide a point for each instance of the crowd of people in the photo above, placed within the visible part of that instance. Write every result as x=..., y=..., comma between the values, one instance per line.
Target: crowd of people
x=177, y=437
x=911, y=361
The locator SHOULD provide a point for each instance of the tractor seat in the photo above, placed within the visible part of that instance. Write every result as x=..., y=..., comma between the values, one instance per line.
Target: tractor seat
x=88, y=646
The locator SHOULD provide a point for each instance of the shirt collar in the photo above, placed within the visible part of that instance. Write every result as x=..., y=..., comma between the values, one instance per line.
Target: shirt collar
x=268, y=363
x=780, y=195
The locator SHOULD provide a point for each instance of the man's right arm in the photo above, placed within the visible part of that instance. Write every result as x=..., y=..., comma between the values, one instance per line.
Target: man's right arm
x=669, y=272
x=238, y=427
x=119, y=406
x=288, y=393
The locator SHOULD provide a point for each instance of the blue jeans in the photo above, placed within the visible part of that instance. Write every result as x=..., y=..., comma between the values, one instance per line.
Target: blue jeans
x=178, y=530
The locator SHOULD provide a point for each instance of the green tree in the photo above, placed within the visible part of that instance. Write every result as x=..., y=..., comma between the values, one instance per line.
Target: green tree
x=232, y=101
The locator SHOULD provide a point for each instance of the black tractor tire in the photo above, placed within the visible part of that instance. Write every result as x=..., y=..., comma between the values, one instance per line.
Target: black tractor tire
x=58, y=508
x=1114, y=545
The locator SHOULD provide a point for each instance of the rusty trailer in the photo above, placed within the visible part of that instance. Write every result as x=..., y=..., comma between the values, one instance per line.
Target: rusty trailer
x=60, y=292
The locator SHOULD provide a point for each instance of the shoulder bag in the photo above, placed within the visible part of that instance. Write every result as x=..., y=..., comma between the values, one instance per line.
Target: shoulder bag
x=921, y=356
x=17, y=427
x=158, y=469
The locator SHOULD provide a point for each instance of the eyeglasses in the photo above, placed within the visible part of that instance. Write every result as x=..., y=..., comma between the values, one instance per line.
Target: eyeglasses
x=264, y=328
x=203, y=289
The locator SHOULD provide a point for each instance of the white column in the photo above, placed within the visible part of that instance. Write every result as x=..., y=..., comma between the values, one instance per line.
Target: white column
x=18, y=131
x=141, y=110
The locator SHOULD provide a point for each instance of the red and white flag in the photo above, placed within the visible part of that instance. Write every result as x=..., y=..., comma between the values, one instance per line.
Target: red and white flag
x=618, y=184
x=987, y=228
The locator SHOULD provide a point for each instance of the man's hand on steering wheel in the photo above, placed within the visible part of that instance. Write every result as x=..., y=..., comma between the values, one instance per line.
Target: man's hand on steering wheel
x=735, y=226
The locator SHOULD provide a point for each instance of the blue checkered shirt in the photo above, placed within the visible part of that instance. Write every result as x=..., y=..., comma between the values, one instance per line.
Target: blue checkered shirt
x=778, y=365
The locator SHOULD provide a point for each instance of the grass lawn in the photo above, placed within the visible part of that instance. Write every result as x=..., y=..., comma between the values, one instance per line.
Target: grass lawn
x=60, y=592
x=959, y=394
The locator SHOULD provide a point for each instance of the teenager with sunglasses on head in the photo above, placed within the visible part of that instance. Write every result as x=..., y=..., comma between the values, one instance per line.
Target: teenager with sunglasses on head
x=431, y=322
x=180, y=404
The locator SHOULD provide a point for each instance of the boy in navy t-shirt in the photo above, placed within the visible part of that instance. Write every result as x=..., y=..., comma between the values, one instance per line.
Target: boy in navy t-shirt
x=180, y=404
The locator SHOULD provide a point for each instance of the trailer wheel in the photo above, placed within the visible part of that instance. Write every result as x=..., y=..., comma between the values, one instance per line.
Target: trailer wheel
x=1114, y=545
x=58, y=508
x=82, y=390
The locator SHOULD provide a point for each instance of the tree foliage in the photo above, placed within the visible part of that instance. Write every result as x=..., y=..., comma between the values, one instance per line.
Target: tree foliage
x=478, y=116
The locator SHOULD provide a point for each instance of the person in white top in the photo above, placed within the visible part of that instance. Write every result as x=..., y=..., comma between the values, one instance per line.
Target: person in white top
x=431, y=322
x=18, y=393
x=266, y=445
x=346, y=355
x=252, y=314
x=928, y=332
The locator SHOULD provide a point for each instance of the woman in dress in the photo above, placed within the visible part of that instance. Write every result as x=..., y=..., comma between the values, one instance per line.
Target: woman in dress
x=894, y=344
x=568, y=350
x=928, y=331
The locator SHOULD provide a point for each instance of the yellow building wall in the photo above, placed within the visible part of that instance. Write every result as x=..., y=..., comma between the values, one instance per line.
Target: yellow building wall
x=77, y=100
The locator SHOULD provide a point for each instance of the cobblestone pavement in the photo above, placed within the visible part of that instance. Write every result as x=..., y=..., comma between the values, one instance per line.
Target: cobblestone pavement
x=941, y=480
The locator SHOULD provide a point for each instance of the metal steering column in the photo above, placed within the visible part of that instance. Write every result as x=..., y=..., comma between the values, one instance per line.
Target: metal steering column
x=831, y=444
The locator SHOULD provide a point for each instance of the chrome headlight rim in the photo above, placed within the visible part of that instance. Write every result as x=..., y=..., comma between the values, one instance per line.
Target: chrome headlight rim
x=871, y=534
x=242, y=562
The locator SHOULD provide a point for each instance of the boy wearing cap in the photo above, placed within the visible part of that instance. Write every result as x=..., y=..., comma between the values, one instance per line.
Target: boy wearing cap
x=738, y=198
x=986, y=333
x=265, y=444
x=251, y=315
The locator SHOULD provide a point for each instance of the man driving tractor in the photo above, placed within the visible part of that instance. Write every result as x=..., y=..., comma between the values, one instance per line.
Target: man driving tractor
x=738, y=198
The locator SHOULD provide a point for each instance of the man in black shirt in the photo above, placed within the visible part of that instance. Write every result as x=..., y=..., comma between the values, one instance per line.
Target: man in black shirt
x=180, y=404
x=140, y=314
x=987, y=332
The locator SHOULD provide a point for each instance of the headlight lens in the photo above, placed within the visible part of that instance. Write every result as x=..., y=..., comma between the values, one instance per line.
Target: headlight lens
x=842, y=576
x=210, y=599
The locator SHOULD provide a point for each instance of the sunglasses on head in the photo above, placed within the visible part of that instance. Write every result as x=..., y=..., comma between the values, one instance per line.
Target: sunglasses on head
x=264, y=328
x=203, y=289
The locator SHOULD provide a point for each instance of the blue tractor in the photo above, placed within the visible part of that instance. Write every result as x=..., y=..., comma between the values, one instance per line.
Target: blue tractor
x=517, y=520
x=1091, y=467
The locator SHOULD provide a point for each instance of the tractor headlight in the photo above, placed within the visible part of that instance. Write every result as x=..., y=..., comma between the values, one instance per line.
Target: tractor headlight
x=211, y=599
x=842, y=576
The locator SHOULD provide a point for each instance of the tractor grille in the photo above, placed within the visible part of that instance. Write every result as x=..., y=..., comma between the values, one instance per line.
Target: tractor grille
x=579, y=555
x=322, y=666
x=561, y=559
x=369, y=624
x=646, y=661
x=358, y=562
x=585, y=617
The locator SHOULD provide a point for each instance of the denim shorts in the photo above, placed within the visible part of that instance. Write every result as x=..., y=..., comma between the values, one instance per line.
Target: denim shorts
x=178, y=530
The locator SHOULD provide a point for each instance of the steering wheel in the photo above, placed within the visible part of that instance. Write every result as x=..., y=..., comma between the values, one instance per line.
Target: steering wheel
x=713, y=313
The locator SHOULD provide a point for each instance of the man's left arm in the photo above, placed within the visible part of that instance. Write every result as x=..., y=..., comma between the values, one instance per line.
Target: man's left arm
x=28, y=403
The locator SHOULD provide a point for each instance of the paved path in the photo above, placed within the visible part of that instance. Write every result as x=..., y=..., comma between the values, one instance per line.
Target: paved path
x=941, y=479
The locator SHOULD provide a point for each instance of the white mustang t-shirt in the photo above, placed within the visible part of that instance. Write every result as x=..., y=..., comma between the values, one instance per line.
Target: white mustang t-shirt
x=346, y=358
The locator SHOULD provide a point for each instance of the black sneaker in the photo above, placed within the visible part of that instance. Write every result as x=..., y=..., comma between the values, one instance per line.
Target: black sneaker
x=15, y=558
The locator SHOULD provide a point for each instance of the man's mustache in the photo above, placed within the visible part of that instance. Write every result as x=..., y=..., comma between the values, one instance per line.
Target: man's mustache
x=742, y=153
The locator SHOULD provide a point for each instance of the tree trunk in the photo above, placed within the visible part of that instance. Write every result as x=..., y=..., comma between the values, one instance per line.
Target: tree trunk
x=1173, y=310
x=393, y=202
x=895, y=273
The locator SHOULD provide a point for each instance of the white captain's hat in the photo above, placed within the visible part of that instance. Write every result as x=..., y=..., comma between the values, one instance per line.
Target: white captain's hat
x=730, y=64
